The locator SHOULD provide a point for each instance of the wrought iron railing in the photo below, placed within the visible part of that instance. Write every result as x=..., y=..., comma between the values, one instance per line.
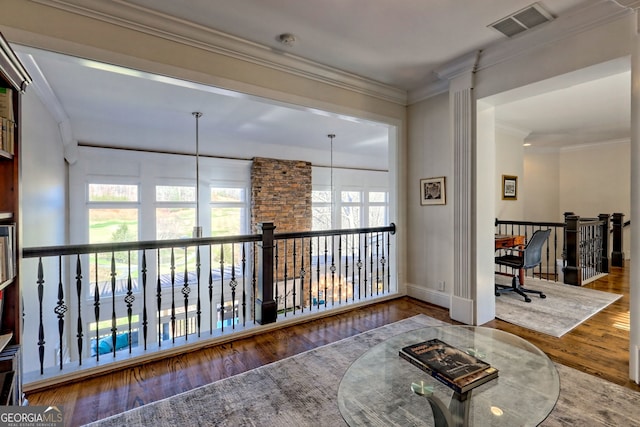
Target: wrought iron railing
x=577, y=250
x=104, y=303
x=553, y=250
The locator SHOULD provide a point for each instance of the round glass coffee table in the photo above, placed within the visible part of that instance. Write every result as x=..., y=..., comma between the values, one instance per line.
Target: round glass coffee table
x=382, y=389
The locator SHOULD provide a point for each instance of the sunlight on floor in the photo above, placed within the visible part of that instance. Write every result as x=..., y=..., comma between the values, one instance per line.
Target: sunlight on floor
x=621, y=321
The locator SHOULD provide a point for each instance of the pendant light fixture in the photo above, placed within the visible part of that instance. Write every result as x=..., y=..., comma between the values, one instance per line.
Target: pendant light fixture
x=197, y=229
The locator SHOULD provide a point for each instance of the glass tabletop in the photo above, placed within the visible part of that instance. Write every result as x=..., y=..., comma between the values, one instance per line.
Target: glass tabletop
x=382, y=389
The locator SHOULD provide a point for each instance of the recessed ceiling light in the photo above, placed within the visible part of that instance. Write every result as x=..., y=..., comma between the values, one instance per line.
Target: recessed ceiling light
x=287, y=39
x=527, y=144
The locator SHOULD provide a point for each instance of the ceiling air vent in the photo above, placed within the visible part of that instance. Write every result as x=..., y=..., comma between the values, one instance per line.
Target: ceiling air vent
x=522, y=20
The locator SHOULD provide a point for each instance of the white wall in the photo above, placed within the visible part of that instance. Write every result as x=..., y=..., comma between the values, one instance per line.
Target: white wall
x=44, y=222
x=597, y=179
x=430, y=241
x=541, y=186
x=509, y=153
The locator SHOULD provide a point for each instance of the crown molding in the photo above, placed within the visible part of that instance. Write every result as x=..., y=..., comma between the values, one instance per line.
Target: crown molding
x=594, y=145
x=133, y=17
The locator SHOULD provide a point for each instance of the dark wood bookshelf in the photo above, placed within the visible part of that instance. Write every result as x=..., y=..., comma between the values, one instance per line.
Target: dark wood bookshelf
x=15, y=78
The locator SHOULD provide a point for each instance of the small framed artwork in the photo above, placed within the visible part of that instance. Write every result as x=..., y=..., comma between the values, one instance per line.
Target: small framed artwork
x=432, y=191
x=509, y=187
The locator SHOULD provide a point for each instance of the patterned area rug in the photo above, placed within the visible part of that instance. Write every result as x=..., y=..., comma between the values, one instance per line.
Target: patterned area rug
x=301, y=391
x=564, y=308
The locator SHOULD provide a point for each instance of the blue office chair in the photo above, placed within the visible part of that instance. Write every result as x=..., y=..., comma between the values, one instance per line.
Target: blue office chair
x=523, y=259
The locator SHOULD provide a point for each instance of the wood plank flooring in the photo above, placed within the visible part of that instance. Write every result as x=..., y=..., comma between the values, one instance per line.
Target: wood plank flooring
x=599, y=347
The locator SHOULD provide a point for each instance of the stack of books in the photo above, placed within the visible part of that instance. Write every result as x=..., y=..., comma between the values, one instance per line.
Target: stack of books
x=451, y=366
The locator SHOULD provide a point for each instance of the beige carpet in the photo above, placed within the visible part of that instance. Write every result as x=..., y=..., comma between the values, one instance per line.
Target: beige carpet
x=564, y=308
x=301, y=391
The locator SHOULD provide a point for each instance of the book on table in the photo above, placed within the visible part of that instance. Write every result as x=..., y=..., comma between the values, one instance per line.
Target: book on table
x=451, y=366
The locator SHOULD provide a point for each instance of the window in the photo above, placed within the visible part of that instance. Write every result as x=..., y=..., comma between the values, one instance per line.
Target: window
x=351, y=208
x=228, y=211
x=321, y=210
x=175, y=211
x=378, y=208
x=113, y=217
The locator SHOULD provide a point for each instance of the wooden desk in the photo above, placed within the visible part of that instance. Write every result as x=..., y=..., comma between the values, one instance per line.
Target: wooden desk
x=505, y=241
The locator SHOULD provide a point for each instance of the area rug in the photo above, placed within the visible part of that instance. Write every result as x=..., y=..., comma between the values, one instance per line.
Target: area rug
x=301, y=391
x=564, y=308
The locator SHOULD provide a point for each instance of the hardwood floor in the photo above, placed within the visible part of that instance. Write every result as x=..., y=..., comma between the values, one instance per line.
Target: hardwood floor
x=599, y=347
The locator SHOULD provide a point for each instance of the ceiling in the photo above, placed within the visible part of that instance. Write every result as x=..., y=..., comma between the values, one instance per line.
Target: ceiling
x=399, y=44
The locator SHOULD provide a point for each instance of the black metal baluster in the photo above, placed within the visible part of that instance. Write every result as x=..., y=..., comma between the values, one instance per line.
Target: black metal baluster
x=286, y=277
x=114, y=328
x=159, y=301
x=339, y=269
x=383, y=262
x=96, y=306
x=233, y=283
x=186, y=290
x=275, y=274
x=254, y=279
x=353, y=267
x=333, y=271
x=244, y=284
x=222, y=287
x=326, y=274
x=310, y=273
x=377, y=263
x=63, y=308
x=389, y=267
x=366, y=254
x=41, y=341
x=318, y=272
x=346, y=271
x=145, y=319
x=211, y=310
x=360, y=267
x=129, y=299
x=173, y=295
x=293, y=293
x=302, y=274
x=198, y=302
x=60, y=310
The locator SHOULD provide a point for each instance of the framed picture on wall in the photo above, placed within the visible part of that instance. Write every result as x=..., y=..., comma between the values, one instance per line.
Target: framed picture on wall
x=432, y=191
x=509, y=187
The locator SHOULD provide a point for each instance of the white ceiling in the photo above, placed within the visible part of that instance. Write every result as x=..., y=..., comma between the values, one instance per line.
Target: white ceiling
x=400, y=44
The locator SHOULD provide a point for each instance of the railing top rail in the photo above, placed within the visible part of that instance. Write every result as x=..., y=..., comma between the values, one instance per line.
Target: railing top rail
x=589, y=221
x=82, y=249
x=45, y=251
x=533, y=223
x=299, y=234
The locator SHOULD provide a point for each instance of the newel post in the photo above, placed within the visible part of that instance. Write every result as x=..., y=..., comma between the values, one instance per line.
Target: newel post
x=266, y=308
x=617, y=256
x=572, y=270
x=604, y=253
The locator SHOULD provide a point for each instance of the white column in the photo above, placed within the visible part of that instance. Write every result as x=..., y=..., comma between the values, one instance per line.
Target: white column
x=634, y=300
x=463, y=110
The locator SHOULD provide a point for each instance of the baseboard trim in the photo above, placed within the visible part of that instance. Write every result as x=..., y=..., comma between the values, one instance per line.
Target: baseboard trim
x=441, y=299
x=462, y=310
